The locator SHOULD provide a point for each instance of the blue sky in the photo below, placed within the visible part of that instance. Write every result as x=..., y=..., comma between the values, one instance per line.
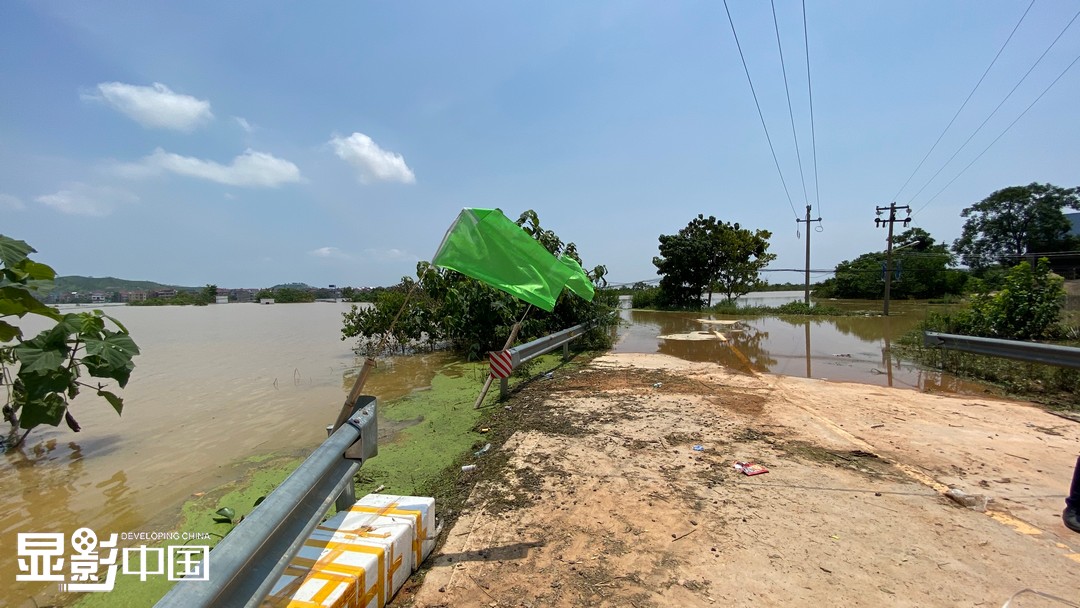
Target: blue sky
x=252, y=143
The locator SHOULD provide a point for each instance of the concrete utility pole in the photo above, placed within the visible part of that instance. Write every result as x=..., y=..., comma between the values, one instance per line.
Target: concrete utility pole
x=806, y=295
x=892, y=209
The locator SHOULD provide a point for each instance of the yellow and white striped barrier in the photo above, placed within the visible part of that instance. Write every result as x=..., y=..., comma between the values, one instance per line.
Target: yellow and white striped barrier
x=359, y=558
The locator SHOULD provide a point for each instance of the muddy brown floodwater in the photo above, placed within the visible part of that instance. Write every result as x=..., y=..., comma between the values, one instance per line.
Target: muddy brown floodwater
x=214, y=385
x=849, y=349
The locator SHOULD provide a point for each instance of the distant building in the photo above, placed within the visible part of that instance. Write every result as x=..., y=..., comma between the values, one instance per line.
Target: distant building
x=266, y=301
x=164, y=294
x=222, y=299
x=132, y=296
x=98, y=298
x=242, y=295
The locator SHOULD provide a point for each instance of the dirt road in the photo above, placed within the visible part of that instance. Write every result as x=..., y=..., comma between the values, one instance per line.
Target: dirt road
x=619, y=490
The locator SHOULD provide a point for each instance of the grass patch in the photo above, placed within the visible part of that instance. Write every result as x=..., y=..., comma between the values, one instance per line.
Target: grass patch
x=789, y=309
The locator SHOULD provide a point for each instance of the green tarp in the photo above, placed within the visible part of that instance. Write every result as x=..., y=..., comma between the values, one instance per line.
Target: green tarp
x=485, y=245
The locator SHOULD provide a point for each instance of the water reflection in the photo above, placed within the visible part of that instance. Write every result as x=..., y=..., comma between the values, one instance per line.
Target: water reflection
x=853, y=349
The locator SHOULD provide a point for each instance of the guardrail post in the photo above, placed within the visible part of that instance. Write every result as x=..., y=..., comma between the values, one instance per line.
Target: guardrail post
x=566, y=352
x=347, y=498
x=504, y=389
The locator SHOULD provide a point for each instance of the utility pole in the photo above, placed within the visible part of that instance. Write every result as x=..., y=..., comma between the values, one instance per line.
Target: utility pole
x=806, y=295
x=892, y=209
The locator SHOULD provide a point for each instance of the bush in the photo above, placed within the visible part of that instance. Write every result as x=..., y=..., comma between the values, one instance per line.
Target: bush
x=645, y=298
x=1028, y=307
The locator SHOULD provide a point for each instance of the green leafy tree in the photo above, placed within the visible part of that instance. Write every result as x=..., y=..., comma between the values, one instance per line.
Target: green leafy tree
x=209, y=294
x=43, y=374
x=922, y=266
x=708, y=254
x=1016, y=221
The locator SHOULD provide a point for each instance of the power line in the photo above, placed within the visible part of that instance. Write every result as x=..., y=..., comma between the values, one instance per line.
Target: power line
x=760, y=115
x=810, y=91
x=966, y=100
x=1031, y=105
x=791, y=114
x=987, y=119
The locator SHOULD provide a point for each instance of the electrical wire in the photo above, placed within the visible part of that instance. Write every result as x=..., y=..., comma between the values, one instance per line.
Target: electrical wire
x=787, y=92
x=966, y=100
x=1031, y=105
x=810, y=92
x=760, y=115
x=987, y=119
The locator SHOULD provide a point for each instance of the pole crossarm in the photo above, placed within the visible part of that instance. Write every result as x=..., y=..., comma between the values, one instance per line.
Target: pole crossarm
x=807, y=221
x=890, y=222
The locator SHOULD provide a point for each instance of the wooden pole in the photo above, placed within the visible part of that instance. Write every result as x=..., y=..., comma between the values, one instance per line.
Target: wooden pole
x=509, y=342
x=369, y=364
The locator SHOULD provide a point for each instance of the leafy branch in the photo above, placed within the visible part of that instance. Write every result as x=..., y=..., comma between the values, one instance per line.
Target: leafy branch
x=41, y=375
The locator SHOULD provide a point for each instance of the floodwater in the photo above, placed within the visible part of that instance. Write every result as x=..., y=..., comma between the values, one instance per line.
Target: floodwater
x=214, y=385
x=851, y=349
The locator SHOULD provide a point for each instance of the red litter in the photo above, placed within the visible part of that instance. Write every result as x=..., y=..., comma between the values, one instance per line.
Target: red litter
x=749, y=468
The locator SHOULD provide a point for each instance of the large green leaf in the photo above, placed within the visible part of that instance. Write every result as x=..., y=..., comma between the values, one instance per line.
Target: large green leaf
x=99, y=368
x=115, y=348
x=9, y=332
x=48, y=410
x=36, y=271
x=12, y=251
x=38, y=355
x=113, y=399
x=91, y=324
x=15, y=300
x=36, y=385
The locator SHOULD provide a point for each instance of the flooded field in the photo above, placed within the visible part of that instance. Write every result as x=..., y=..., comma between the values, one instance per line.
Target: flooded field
x=850, y=349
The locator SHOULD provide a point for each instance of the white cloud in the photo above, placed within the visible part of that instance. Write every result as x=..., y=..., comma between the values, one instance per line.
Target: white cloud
x=330, y=253
x=244, y=124
x=254, y=169
x=83, y=199
x=391, y=255
x=155, y=107
x=372, y=162
x=11, y=203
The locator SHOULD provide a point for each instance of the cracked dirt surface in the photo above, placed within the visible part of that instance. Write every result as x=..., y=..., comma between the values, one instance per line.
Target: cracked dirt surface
x=606, y=501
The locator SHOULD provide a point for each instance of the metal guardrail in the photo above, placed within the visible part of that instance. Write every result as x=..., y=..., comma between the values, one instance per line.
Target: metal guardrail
x=531, y=350
x=1032, y=352
x=244, y=566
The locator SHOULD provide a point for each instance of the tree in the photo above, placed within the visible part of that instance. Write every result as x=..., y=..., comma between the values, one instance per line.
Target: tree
x=921, y=269
x=709, y=254
x=41, y=375
x=209, y=294
x=1016, y=221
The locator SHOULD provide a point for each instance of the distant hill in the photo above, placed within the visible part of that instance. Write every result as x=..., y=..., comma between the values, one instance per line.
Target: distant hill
x=106, y=284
